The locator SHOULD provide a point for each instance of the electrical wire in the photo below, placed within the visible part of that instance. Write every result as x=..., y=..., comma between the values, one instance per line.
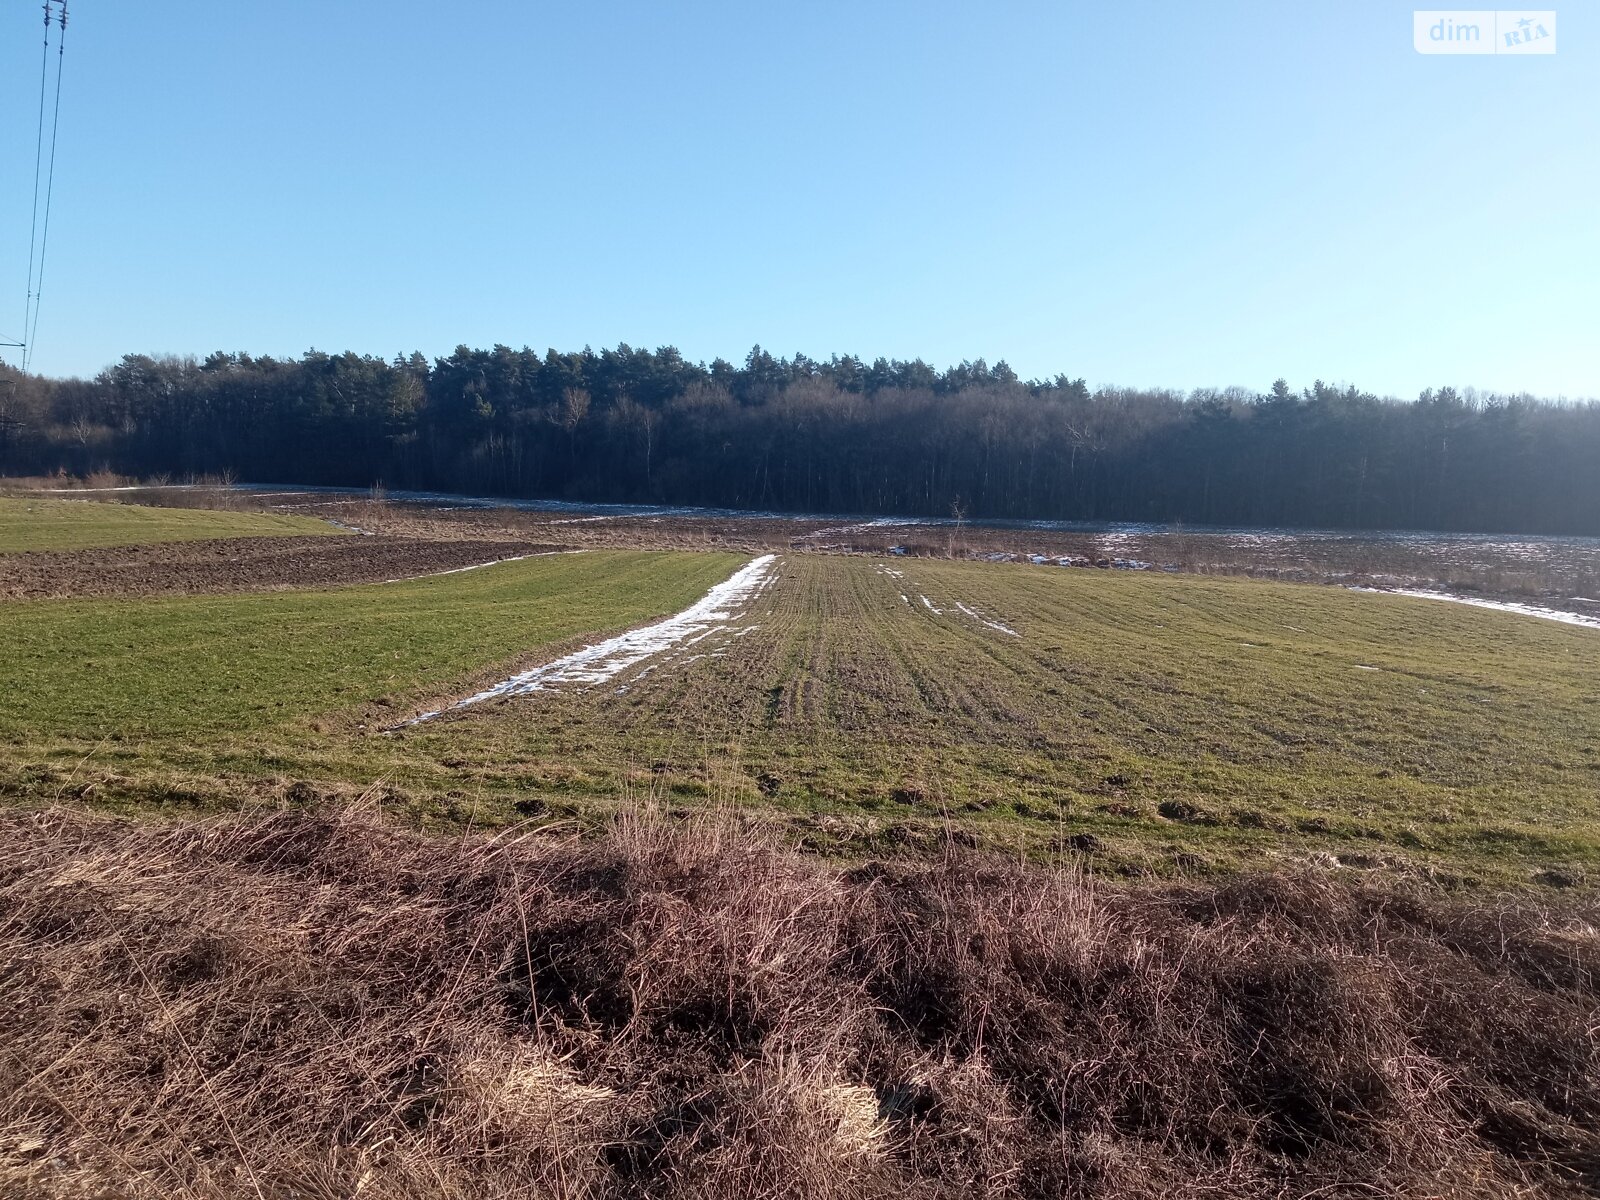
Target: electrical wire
x=50, y=185
x=38, y=162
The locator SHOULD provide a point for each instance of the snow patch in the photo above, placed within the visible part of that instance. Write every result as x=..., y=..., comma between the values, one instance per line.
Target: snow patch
x=130, y=487
x=1508, y=606
x=493, y=562
x=604, y=661
x=861, y=526
x=982, y=620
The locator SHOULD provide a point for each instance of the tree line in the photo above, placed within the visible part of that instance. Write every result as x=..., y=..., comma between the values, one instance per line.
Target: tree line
x=838, y=436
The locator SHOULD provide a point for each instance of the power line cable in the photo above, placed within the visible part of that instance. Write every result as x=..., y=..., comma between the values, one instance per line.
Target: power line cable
x=50, y=185
x=38, y=162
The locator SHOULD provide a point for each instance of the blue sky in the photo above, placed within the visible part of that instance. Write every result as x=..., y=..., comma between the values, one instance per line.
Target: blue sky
x=1139, y=193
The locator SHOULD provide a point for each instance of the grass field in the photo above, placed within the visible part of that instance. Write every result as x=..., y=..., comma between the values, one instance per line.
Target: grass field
x=1171, y=719
x=1202, y=716
x=188, y=670
x=46, y=524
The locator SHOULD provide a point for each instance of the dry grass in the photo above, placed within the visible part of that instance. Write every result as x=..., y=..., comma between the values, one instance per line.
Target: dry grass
x=204, y=491
x=317, y=1005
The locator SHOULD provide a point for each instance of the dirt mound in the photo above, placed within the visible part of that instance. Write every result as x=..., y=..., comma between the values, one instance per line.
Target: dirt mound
x=242, y=565
x=317, y=1005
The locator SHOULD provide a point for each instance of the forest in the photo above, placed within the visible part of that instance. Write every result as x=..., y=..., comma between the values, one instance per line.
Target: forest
x=838, y=436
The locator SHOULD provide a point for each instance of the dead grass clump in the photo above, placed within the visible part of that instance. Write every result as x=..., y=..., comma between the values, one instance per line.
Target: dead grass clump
x=314, y=1004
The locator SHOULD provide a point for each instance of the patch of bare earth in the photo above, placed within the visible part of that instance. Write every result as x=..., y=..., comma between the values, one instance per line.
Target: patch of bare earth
x=316, y=1004
x=1553, y=572
x=244, y=565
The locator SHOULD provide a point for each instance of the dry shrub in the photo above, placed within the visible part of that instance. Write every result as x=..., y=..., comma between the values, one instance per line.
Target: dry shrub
x=314, y=1004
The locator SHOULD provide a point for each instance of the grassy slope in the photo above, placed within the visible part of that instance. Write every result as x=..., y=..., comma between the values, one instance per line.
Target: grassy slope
x=1220, y=717
x=194, y=681
x=40, y=524
x=1240, y=707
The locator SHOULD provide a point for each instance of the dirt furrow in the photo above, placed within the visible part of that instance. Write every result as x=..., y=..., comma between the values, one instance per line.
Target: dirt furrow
x=243, y=565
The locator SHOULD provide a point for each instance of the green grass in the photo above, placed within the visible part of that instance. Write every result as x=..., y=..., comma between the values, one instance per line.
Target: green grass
x=1227, y=719
x=1221, y=717
x=176, y=678
x=47, y=524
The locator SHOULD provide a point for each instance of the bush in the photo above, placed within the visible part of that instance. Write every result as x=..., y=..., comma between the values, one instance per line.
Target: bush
x=314, y=1004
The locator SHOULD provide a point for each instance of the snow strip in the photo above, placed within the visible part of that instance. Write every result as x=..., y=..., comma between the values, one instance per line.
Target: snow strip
x=861, y=526
x=938, y=612
x=982, y=620
x=131, y=487
x=1510, y=606
x=493, y=562
x=605, y=660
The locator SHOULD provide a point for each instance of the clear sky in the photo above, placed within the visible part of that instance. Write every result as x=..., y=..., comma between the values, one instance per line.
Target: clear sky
x=1142, y=193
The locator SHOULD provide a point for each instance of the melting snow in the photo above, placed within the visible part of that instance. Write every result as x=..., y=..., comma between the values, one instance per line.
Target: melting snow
x=131, y=487
x=1510, y=606
x=479, y=566
x=938, y=612
x=862, y=526
x=985, y=620
x=604, y=661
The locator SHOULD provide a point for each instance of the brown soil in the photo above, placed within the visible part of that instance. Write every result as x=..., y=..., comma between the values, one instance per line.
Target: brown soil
x=1557, y=573
x=1561, y=573
x=243, y=565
